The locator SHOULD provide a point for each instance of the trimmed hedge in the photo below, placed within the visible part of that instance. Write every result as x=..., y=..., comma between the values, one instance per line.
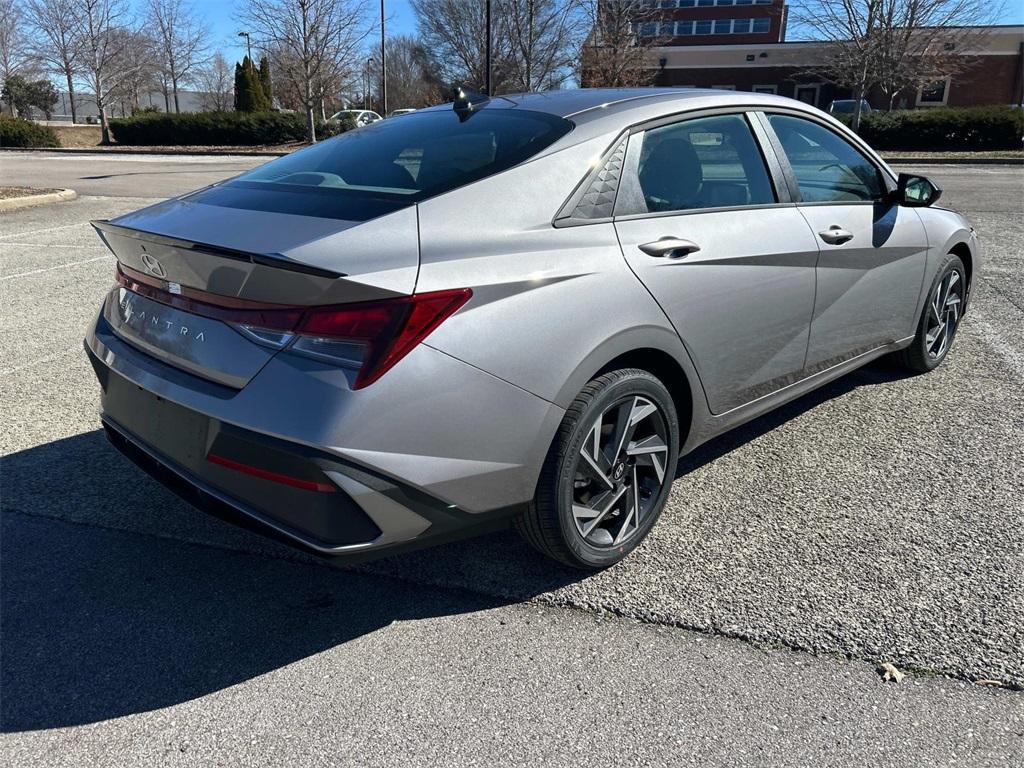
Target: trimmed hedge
x=217, y=129
x=18, y=132
x=945, y=129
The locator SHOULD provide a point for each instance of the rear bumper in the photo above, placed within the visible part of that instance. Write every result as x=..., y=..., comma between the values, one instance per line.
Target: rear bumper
x=365, y=483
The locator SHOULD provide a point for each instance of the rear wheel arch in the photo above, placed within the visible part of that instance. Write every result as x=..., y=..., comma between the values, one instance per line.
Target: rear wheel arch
x=666, y=369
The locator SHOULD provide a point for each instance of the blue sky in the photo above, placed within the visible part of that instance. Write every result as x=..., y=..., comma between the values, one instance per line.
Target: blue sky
x=223, y=21
x=222, y=17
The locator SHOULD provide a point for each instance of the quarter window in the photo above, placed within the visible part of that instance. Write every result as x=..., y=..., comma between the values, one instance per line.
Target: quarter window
x=827, y=167
x=709, y=162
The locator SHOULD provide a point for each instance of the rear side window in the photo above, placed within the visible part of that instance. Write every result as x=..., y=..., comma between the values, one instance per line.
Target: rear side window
x=828, y=168
x=391, y=164
x=708, y=162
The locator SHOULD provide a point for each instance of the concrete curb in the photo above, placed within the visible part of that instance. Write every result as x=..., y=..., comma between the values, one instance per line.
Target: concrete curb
x=953, y=160
x=14, y=203
x=119, y=151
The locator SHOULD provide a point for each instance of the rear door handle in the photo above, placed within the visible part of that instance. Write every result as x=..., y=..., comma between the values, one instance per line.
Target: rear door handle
x=672, y=247
x=835, y=235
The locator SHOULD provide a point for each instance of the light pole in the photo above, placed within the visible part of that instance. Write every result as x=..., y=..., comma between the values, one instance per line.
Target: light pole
x=367, y=68
x=487, y=55
x=248, y=44
x=383, y=67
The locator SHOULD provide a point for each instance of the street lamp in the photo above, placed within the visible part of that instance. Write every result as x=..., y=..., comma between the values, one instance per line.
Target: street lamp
x=248, y=44
x=383, y=66
x=366, y=82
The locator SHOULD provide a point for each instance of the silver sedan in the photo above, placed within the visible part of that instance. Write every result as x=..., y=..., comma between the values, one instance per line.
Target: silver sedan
x=518, y=310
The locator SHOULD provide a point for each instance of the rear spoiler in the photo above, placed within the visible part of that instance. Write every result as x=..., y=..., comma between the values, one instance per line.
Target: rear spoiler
x=275, y=260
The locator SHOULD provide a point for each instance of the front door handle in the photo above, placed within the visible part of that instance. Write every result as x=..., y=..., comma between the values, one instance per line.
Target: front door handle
x=673, y=247
x=835, y=235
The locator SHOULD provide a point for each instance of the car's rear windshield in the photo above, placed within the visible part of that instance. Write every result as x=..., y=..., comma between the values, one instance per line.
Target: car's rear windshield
x=391, y=164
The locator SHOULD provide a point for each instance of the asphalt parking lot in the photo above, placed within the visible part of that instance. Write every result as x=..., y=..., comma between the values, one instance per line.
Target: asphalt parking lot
x=878, y=519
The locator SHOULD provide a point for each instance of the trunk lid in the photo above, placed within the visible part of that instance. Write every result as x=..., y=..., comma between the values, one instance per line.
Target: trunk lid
x=244, y=260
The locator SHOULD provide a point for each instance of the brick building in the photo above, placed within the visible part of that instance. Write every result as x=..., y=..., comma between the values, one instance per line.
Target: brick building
x=733, y=56
x=713, y=22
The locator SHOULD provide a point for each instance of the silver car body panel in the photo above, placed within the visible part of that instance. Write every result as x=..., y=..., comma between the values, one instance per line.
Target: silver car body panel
x=762, y=314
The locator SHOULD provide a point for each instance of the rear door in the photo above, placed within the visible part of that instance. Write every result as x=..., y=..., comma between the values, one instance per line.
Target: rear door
x=729, y=260
x=873, y=252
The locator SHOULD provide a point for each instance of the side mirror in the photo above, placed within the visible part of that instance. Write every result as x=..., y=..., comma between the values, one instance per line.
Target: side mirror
x=916, y=191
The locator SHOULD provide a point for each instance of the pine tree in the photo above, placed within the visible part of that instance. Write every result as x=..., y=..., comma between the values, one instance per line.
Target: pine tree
x=239, y=87
x=265, y=81
x=249, y=96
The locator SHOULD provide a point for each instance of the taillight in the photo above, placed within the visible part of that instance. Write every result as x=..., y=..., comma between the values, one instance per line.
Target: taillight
x=372, y=336
x=368, y=337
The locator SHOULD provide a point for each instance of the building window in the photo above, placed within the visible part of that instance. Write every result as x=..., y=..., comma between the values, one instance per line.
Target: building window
x=703, y=27
x=647, y=29
x=724, y=87
x=765, y=89
x=934, y=95
x=705, y=3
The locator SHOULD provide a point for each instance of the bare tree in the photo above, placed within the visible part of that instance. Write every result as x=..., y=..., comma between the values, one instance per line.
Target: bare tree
x=316, y=42
x=15, y=52
x=540, y=35
x=105, y=58
x=892, y=44
x=55, y=42
x=455, y=34
x=181, y=42
x=138, y=69
x=615, y=54
x=924, y=41
x=216, y=83
x=412, y=81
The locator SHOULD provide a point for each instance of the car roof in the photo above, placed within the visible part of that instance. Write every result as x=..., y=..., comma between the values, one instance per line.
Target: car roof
x=583, y=105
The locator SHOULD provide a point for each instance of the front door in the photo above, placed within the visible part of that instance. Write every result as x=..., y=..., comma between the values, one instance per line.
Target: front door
x=873, y=252
x=700, y=225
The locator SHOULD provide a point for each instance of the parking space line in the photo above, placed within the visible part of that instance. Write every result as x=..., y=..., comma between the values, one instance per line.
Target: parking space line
x=40, y=361
x=40, y=231
x=58, y=266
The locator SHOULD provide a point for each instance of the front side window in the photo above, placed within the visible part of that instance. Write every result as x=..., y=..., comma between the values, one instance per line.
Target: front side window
x=828, y=168
x=708, y=162
x=391, y=164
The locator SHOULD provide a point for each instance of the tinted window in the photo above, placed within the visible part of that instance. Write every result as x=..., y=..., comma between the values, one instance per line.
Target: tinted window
x=391, y=163
x=827, y=167
x=709, y=162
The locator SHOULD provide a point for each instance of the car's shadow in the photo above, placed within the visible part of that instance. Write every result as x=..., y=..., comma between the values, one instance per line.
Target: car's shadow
x=881, y=371
x=107, y=613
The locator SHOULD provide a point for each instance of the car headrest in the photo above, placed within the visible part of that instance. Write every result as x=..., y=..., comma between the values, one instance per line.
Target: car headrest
x=671, y=175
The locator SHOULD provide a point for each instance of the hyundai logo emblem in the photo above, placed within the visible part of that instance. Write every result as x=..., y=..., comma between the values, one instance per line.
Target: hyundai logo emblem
x=153, y=266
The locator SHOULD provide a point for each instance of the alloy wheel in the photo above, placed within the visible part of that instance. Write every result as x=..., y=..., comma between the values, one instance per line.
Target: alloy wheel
x=943, y=315
x=620, y=471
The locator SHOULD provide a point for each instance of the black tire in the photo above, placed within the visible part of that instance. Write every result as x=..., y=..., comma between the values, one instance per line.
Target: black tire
x=917, y=357
x=549, y=525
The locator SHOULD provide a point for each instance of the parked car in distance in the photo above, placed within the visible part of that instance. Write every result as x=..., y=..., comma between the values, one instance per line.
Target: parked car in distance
x=848, y=107
x=397, y=112
x=360, y=117
x=521, y=309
